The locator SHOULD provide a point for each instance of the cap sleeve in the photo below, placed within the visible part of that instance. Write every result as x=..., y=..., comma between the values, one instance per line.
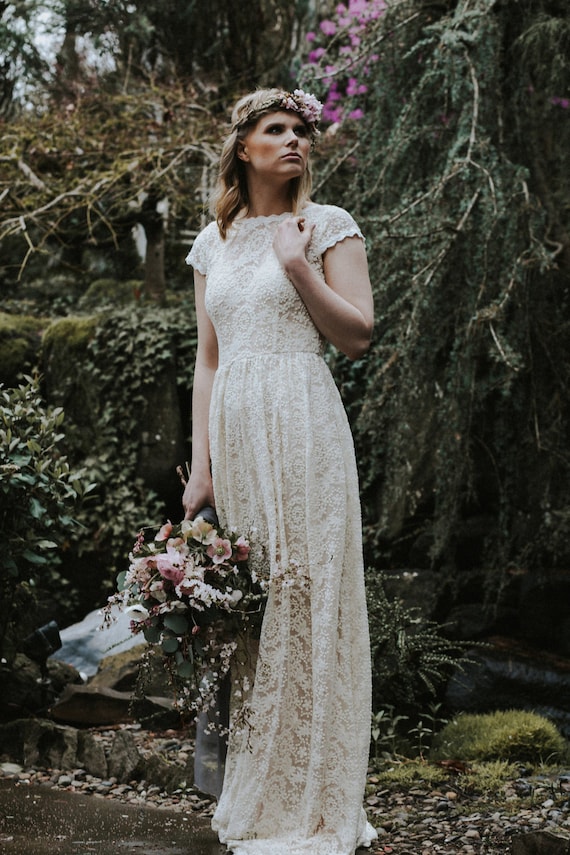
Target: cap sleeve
x=200, y=253
x=333, y=225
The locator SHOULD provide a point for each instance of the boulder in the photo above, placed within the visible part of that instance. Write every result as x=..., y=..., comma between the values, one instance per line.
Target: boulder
x=86, y=643
x=26, y=690
x=42, y=743
x=167, y=776
x=541, y=843
x=93, y=706
x=509, y=674
x=124, y=757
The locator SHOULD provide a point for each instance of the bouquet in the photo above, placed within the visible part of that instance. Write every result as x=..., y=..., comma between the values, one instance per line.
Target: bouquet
x=190, y=593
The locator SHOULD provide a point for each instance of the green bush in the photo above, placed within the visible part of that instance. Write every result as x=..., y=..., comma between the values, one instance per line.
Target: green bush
x=511, y=735
x=411, y=658
x=39, y=492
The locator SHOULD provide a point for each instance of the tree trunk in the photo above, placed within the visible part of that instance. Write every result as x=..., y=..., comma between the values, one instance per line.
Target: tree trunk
x=153, y=223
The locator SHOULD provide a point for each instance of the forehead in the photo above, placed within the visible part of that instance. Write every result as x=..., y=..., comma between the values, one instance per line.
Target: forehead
x=287, y=117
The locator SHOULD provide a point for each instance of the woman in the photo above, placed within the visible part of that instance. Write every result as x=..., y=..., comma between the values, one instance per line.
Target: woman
x=275, y=277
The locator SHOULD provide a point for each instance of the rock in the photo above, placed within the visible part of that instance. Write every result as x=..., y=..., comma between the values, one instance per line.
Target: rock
x=513, y=675
x=124, y=757
x=92, y=755
x=86, y=644
x=541, y=843
x=417, y=589
x=25, y=691
x=94, y=705
x=165, y=775
x=129, y=669
x=543, y=610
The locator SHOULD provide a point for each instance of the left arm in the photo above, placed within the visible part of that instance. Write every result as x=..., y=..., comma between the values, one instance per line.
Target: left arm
x=341, y=304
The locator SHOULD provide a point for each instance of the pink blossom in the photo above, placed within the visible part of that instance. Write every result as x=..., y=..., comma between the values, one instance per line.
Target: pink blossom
x=164, y=532
x=242, y=549
x=220, y=550
x=171, y=572
x=560, y=102
x=327, y=27
x=315, y=55
x=356, y=114
x=332, y=114
x=311, y=37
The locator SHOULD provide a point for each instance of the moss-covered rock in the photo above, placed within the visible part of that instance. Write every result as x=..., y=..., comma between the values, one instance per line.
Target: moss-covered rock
x=512, y=735
x=110, y=292
x=20, y=341
x=64, y=352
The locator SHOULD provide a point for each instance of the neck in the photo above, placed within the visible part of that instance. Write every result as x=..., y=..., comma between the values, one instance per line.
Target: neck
x=267, y=200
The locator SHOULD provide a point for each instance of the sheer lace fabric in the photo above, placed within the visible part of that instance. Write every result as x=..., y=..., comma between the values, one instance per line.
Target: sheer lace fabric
x=284, y=470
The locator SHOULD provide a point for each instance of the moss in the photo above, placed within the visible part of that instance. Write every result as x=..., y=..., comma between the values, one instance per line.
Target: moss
x=111, y=292
x=489, y=777
x=404, y=773
x=64, y=351
x=20, y=340
x=510, y=735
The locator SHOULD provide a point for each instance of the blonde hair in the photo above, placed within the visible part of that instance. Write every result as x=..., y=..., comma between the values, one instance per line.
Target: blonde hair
x=231, y=196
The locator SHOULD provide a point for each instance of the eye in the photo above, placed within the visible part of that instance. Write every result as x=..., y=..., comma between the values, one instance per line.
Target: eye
x=301, y=130
x=274, y=129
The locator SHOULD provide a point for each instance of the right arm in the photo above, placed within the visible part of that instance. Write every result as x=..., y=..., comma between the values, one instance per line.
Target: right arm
x=199, y=491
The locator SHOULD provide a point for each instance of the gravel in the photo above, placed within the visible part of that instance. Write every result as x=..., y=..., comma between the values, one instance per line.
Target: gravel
x=417, y=820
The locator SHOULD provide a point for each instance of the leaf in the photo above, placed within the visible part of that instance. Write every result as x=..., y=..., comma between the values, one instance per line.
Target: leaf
x=176, y=623
x=33, y=557
x=151, y=634
x=169, y=644
x=185, y=669
x=46, y=544
x=121, y=580
x=37, y=510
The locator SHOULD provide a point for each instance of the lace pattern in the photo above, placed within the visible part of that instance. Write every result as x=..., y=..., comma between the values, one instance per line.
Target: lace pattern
x=284, y=469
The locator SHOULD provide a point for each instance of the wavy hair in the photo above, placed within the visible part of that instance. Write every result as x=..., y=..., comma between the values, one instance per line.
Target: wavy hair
x=231, y=196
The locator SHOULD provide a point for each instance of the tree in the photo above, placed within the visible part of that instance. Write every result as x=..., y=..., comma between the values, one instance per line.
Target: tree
x=454, y=164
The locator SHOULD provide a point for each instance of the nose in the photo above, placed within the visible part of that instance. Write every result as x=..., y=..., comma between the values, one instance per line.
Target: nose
x=292, y=138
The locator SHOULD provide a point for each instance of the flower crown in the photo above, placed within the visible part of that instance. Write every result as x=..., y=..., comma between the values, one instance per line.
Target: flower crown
x=307, y=105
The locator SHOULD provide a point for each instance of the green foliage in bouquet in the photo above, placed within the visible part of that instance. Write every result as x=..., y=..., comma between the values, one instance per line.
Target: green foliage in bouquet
x=190, y=593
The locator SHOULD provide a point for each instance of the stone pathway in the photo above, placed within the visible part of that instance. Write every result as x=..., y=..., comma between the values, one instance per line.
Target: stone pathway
x=416, y=820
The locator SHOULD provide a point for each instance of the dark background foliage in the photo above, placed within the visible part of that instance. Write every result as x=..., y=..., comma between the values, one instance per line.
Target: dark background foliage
x=456, y=172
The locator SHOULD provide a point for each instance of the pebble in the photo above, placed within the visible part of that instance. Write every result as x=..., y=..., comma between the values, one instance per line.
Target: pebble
x=416, y=821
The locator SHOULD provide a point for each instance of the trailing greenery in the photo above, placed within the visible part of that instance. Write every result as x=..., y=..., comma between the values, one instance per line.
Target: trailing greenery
x=40, y=495
x=456, y=173
x=512, y=735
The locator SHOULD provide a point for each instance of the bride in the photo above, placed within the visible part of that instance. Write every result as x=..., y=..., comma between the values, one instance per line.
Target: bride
x=276, y=278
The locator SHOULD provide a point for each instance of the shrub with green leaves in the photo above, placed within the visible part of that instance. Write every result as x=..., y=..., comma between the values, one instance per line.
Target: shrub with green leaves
x=411, y=658
x=39, y=491
x=511, y=735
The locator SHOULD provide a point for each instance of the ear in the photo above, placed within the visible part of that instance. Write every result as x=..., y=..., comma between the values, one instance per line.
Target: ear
x=242, y=151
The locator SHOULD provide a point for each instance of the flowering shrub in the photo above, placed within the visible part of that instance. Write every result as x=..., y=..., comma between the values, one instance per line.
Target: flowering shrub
x=338, y=59
x=190, y=593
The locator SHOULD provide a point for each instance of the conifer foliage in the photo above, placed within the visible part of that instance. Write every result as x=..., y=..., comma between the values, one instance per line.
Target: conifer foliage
x=453, y=118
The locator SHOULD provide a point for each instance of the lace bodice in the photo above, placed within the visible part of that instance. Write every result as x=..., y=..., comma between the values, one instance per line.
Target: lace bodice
x=253, y=305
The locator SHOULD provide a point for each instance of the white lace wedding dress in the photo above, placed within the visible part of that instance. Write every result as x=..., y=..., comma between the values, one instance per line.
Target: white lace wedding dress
x=284, y=471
